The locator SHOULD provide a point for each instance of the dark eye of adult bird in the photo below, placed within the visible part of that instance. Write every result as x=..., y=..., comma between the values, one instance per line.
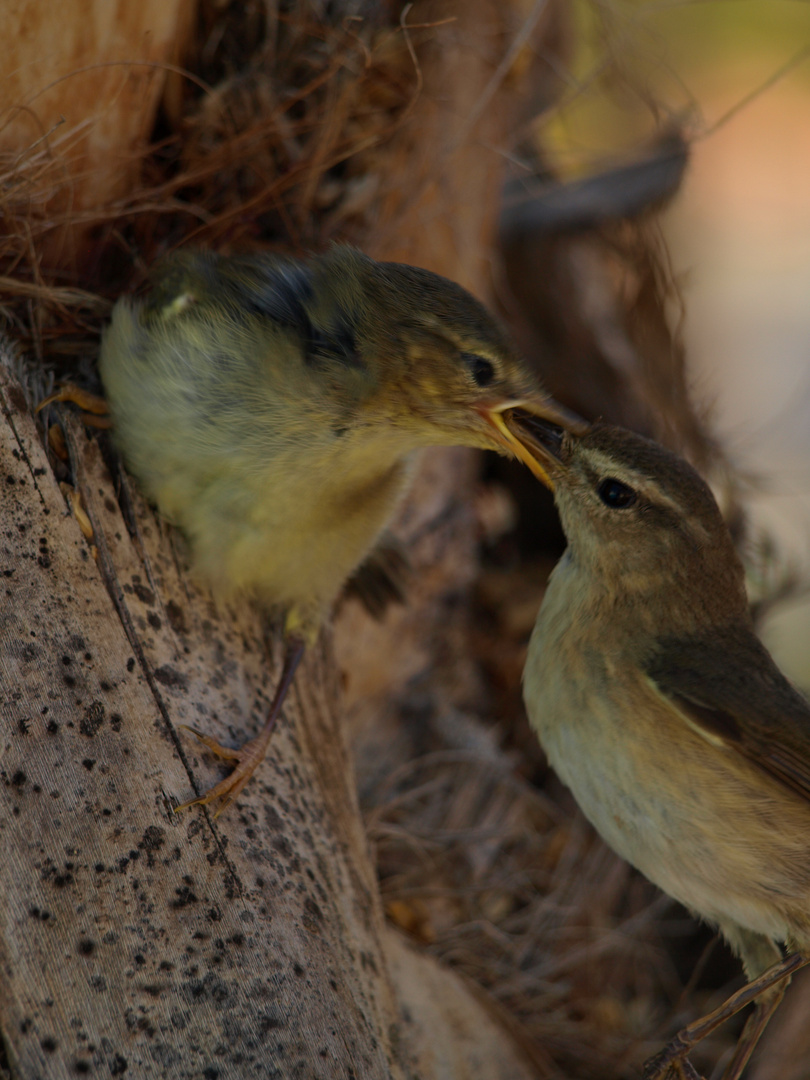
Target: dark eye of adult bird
x=483, y=371
x=616, y=495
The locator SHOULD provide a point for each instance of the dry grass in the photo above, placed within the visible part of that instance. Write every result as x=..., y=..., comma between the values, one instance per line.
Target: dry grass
x=246, y=151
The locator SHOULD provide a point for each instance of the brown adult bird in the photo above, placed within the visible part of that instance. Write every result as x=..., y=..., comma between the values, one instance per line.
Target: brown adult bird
x=658, y=706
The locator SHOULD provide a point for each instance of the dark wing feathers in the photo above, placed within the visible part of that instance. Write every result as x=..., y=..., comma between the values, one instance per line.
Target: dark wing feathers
x=730, y=686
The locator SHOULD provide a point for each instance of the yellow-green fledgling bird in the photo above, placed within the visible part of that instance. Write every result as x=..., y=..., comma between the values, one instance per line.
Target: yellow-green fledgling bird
x=271, y=407
x=661, y=710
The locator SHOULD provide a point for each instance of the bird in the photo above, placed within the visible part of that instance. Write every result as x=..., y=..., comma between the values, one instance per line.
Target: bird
x=270, y=407
x=657, y=705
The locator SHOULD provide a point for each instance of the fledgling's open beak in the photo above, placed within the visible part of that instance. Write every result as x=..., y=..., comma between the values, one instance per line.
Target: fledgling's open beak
x=524, y=428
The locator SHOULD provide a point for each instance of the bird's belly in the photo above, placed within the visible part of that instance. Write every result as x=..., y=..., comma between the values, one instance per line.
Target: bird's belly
x=691, y=817
x=259, y=533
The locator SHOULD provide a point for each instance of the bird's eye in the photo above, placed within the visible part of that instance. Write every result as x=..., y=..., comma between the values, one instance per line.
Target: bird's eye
x=483, y=371
x=616, y=495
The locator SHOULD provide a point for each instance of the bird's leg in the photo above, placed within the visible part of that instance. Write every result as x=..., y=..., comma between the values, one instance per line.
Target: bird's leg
x=249, y=755
x=755, y=1025
x=657, y=1067
x=94, y=408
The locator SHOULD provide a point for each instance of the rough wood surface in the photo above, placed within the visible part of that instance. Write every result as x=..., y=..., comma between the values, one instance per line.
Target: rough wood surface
x=78, y=95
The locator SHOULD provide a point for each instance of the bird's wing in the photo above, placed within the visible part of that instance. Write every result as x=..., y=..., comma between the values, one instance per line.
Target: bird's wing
x=729, y=687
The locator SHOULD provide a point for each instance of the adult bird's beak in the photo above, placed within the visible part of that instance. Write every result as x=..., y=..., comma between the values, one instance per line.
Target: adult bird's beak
x=529, y=428
x=541, y=440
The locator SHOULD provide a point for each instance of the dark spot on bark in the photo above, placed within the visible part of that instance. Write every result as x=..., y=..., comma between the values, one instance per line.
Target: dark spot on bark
x=93, y=719
x=18, y=779
x=88, y=763
x=154, y=620
x=282, y=845
x=81, y=1067
x=115, y=721
x=98, y=983
x=298, y=969
x=185, y=896
x=176, y=617
x=105, y=686
x=131, y=664
x=16, y=399
x=313, y=916
x=236, y=939
x=22, y=726
x=48, y=1044
x=146, y=596
x=86, y=947
x=167, y=676
x=153, y=839
x=269, y=1022
x=123, y=863
x=52, y=727
x=367, y=962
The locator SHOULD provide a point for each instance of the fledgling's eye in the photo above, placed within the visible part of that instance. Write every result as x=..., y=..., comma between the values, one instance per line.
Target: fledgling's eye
x=616, y=495
x=483, y=371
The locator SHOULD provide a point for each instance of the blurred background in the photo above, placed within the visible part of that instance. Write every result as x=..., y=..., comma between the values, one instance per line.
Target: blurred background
x=736, y=75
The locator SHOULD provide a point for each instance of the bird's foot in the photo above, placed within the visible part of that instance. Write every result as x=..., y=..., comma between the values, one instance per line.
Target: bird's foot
x=247, y=759
x=250, y=755
x=766, y=991
x=671, y=1063
x=94, y=408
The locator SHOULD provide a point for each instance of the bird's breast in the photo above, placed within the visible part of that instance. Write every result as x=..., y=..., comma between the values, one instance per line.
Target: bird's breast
x=279, y=493
x=695, y=818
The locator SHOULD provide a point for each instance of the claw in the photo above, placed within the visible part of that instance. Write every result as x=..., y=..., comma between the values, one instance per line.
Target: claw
x=249, y=756
x=765, y=991
x=89, y=404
